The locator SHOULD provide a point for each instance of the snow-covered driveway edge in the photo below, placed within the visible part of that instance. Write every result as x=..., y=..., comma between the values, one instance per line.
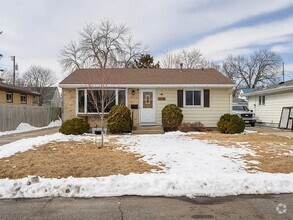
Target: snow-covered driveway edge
x=147, y=185
x=24, y=127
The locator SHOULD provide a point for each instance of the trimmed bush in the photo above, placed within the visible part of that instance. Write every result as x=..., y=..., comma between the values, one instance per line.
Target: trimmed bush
x=231, y=124
x=119, y=119
x=188, y=127
x=171, y=117
x=75, y=126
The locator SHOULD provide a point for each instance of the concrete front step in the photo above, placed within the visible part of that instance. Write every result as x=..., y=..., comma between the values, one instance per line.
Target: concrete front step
x=149, y=130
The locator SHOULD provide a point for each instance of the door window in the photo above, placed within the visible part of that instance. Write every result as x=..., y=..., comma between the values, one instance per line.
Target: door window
x=147, y=100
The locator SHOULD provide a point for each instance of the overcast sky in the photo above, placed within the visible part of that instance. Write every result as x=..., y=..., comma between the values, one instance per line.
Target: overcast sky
x=35, y=30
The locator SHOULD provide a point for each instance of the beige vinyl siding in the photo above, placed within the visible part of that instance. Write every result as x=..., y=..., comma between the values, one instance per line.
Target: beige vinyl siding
x=219, y=105
x=271, y=111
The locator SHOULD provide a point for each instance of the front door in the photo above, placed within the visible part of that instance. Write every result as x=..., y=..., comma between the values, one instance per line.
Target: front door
x=147, y=106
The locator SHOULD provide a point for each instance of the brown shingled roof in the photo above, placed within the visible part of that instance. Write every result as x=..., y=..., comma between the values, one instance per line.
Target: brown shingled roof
x=12, y=88
x=146, y=76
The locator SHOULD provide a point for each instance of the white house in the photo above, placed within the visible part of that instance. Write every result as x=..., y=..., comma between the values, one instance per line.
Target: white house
x=267, y=103
x=202, y=94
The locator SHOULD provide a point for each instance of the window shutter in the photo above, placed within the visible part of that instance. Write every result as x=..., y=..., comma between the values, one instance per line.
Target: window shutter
x=180, y=98
x=206, y=97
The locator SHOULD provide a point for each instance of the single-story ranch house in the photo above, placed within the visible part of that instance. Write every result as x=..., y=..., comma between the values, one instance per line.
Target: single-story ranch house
x=267, y=103
x=14, y=95
x=202, y=94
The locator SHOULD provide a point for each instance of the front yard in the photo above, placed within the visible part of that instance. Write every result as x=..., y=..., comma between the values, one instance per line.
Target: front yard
x=172, y=164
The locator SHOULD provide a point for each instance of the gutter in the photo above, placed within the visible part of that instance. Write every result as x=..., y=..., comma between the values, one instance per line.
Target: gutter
x=147, y=85
x=268, y=91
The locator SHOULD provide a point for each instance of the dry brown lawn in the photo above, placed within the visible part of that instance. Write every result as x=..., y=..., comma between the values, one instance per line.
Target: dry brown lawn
x=77, y=159
x=271, y=151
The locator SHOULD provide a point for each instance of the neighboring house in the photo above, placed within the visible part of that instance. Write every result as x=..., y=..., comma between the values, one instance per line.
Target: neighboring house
x=14, y=95
x=203, y=94
x=267, y=103
x=52, y=97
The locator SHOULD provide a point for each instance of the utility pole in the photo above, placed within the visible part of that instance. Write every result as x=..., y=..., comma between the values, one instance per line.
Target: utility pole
x=13, y=69
x=283, y=72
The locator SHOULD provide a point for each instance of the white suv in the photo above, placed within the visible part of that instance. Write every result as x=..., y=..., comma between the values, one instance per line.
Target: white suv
x=243, y=112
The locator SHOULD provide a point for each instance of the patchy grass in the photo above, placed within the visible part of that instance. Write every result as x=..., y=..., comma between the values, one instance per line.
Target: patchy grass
x=273, y=154
x=77, y=159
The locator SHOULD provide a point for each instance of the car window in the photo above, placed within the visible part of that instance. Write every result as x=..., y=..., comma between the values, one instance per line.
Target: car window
x=240, y=108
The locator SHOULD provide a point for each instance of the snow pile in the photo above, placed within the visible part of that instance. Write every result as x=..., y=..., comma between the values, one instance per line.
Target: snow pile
x=29, y=143
x=25, y=127
x=193, y=168
x=249, y=132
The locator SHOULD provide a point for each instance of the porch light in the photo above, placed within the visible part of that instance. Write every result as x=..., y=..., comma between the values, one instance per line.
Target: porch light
x=133, y=92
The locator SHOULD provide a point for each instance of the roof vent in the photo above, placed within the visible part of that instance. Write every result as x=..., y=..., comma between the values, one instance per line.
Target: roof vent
x=181, y=67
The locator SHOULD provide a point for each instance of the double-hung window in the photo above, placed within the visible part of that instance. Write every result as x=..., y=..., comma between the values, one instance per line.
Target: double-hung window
x=193, y=98
x=9, y=97
x=23, y=99
x=261, y=100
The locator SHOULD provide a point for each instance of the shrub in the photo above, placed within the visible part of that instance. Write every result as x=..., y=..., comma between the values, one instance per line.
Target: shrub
x=231, y=124
x=171, y=117
x=119, y=119
x=188, y=127
x=75, y=126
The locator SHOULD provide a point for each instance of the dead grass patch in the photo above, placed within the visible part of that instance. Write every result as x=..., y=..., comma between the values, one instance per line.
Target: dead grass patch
x=77, y=159
x=273, y=153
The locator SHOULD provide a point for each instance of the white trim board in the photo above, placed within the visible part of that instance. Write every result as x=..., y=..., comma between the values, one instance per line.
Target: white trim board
x=150, y=86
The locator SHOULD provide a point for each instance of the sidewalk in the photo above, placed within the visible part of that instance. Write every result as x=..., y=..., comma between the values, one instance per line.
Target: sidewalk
x=15, y=137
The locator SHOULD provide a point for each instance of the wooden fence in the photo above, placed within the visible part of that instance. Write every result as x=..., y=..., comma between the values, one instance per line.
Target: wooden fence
x=38, y=116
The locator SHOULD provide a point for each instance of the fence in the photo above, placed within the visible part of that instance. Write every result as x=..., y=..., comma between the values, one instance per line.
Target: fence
x=38, y=116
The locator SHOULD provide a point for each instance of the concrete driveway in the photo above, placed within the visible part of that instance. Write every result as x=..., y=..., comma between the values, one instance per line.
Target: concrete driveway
x=270, y=130
x=15, y=137
x=133, y=207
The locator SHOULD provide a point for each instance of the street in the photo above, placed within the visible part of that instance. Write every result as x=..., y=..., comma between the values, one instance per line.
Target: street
x=134, y=207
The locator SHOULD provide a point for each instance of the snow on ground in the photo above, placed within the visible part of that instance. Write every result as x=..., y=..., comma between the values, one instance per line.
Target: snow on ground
x=24, y=127
x=193, y=168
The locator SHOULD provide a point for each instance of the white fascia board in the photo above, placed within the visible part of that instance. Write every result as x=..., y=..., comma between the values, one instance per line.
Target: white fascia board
x=268, y=91
x=147, y=85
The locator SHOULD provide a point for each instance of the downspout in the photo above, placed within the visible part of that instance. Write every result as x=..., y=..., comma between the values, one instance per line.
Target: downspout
x=231, y=99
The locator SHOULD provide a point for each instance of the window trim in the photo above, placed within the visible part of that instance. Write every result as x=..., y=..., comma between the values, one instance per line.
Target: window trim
x=25, y=95
x=193, y=106
x=9, y=101
x=85, y=100
x=261, y=100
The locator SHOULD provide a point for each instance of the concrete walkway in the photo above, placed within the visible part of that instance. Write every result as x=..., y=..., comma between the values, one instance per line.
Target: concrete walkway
x=15, y=137
x=126, y=207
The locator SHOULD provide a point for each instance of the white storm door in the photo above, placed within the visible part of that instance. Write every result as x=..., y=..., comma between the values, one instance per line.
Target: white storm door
x=147, y=106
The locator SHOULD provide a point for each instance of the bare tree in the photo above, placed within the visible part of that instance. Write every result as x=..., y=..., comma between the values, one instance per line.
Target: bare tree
x=101, y=46
x=190, y=59
x=260, y=69
x=100, y=100
x=39, y=79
